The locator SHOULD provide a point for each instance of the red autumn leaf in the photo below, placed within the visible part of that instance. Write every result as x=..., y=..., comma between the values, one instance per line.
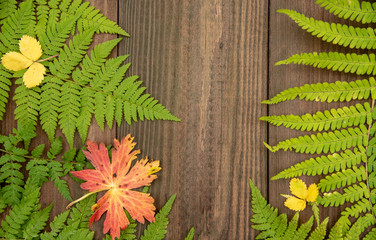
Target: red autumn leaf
x=119, y=180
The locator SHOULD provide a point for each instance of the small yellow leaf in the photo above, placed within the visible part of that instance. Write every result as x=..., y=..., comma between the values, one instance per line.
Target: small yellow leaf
x=295, y=204
x=30, y=48
x=34, y=75
x=298, y=188
x=313, y=192
x=15, y=61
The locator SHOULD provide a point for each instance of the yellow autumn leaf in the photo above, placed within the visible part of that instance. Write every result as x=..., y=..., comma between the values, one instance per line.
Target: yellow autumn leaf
x=30, y=48
x=31, y=51
x=15, y=61
x=302, y=195
x=313, y=193
x=34, y=75
x=298, y=188
x=295, y=204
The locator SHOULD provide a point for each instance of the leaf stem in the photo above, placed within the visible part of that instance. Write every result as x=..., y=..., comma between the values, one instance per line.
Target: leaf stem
x=83, y=197
x=366, y=166
x=42, y=60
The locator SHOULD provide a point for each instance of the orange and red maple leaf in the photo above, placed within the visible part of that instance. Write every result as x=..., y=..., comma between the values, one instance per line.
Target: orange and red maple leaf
x=119, y=179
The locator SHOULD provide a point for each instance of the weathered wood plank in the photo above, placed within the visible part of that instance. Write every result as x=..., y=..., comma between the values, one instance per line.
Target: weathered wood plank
x=206, y=61
x=286, y=39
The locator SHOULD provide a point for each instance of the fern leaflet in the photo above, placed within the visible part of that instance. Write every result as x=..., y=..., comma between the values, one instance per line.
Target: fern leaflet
x=14, y=222
x=343, y=178
x=333, y=119
x=329, y=92
x=343, y=35
x=325, y=142
x=348, y=63
x=157, y=230
x=353, y=10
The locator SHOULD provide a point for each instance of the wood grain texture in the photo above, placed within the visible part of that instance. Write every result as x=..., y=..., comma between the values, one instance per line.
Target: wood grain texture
x=205, y=61
x=286, y=39
x=211, y=63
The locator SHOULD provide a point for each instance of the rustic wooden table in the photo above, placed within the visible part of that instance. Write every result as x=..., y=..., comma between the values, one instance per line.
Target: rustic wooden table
x=211, y=63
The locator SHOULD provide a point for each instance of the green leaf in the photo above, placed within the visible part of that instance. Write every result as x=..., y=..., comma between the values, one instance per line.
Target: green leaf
x=352, y=10
x=191, y=234
x=14, y=222
x=56, y=226
x=36, y=223
x=157, y=230
x=347, y=36
x=38, y=151
x=320, y=232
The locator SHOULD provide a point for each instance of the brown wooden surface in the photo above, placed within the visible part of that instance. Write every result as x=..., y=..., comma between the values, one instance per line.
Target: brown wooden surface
x=286, y=38
x=211, y=63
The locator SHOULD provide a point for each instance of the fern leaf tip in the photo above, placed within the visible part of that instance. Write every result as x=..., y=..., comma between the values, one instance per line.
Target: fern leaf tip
x=269, y=147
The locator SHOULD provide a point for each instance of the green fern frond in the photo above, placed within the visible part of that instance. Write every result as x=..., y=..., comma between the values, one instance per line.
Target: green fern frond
x=350, y=169
x=56, y=148
x=56, y=172
x=28, y=104
x=292, y=227
x=14, y=222
x=71, y=55
x=62, y=67
x=56, y=226
x=157, y=230
x=36, y=223
x=358, y=208
x=10, y=173
x=333, y=119
x=343, y=35
x=351, y=194
x=371, y=235
x=329, y=92
x=325, y=164
x=2, y=204
x=320, y=232
x=5, y=84
x=353, y=10
x=70, y=233
x=15, y=26
x=340, y=228
x=50, y=105
x=7, y=8
x=20, y=23
x=38, y=151
x=327, y=141
x=70, y=105
x=38, y=171
x=343, y=178
x=42, y=12
x=89, y=17
x=348, y=63
x=140, y=105
x=53, y=38
x=65, y=98
x=190, y=235
x=359, y=226
x=265, y=218
x=79, y=214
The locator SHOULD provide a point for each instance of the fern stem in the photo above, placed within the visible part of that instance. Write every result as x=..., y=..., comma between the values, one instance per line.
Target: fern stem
x=366, y=166
x=83, y=197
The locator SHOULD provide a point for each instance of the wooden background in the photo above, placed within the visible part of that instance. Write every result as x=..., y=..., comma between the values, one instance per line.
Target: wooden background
x=211, y=63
